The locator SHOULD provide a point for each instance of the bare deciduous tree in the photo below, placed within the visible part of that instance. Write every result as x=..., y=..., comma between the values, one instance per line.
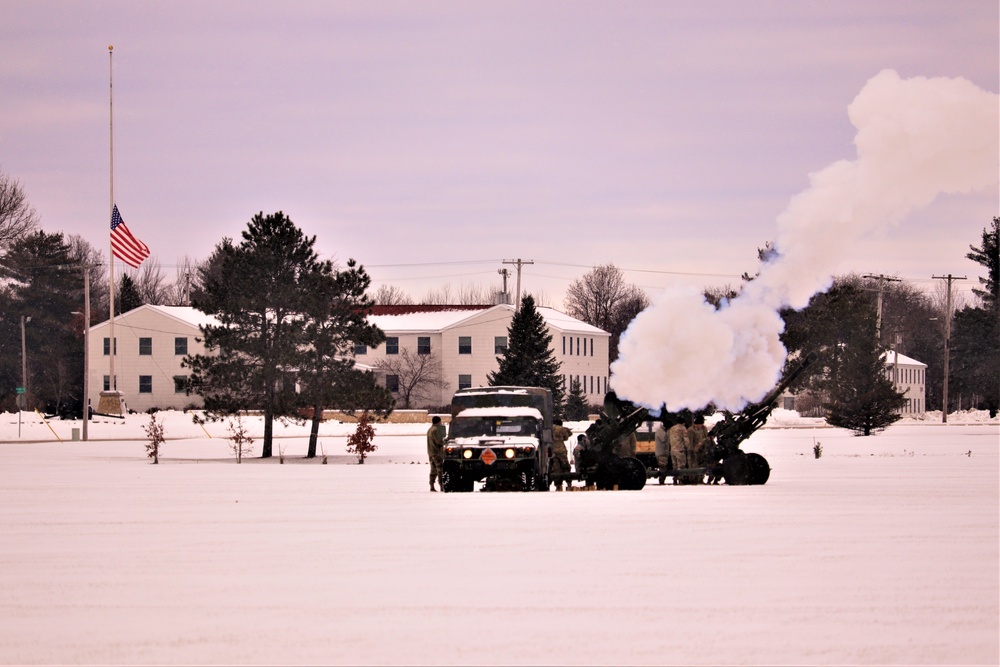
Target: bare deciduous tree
x=418, y=376
x=390, y=295
x=17, y=216
x=151, y=283
x=603, y=299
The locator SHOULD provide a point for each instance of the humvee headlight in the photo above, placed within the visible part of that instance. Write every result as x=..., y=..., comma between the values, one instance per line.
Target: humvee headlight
x=509, y=453
x=467, y=454
x=527, y=450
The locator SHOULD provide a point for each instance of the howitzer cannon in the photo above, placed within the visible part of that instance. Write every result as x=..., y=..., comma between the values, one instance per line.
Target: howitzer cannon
x=721, y=459
x=597, y=461
x=723, y=456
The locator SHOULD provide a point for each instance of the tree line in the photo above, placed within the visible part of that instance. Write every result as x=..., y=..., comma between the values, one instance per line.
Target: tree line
x=260, y=290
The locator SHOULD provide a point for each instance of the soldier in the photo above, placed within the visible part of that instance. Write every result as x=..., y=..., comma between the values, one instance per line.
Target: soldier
x=698, y=440
x=435, y=450
x=679, y=449
x=663, y=447
x=560, y=456
x=581, y=444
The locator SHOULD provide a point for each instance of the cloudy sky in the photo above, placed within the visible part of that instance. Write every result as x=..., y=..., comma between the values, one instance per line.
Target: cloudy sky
x=432, y=140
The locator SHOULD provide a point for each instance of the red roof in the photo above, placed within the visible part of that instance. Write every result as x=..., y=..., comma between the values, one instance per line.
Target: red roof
x=423, y=308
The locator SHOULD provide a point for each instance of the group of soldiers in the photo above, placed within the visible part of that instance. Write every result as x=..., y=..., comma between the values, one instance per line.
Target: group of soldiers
x=680, y=445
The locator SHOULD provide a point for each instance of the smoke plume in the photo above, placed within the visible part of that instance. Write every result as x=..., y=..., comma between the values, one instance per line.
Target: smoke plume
x=916, y=139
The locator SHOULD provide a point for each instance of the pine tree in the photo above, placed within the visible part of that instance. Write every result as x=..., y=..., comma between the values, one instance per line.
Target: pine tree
x=258, y=291
x=576, y=403
x=862, y=397
x=127, y=297
x=975, y=339
x=529, y=360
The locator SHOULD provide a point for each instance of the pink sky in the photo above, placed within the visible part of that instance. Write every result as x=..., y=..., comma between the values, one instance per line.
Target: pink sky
x=662, y=137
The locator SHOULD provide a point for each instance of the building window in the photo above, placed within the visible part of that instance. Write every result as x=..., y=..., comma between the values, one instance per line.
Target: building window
x=564, y=345
x=180, y=345
x=499, y=344
x=578, y=346
x=145, y=346
x=392, y=345
x=392, y=383
x=107, y=383
x=360, y=349
x=464, y=381
x=180, y=384
x=423, y=344
x=107, y=347
x=145, y=384
x=465, y=344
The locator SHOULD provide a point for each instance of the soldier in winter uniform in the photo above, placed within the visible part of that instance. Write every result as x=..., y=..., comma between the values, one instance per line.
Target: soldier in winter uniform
x=698, y=435
x=560, y=455
x=680, y=449
x=435, y=450
x=663, y=447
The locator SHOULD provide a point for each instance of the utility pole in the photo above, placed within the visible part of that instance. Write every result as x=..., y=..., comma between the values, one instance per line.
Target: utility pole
x=505, y=273
x=882, y=280
x=947, y=343
x=86, y=350
x=519, y=263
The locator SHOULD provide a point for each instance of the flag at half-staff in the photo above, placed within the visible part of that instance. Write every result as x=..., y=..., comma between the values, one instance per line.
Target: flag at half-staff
x=124, y=245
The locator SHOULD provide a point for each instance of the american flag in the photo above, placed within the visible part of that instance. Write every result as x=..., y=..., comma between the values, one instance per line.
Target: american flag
x=124, y=246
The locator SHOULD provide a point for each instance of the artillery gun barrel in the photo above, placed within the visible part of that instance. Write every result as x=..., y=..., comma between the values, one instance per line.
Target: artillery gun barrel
x=789, y=379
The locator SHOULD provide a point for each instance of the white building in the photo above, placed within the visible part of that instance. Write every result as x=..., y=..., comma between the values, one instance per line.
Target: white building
x=909, y=377
x=466, y=341
x=151, y=342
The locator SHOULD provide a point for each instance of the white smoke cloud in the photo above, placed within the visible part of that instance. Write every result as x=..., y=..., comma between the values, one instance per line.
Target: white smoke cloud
x=917, y=138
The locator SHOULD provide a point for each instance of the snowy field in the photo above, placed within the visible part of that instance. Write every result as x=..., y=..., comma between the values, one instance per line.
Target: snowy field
x=882, y=551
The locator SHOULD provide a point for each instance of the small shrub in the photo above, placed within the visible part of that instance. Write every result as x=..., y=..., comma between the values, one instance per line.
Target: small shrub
x=817, y=450
x=241, y=441
x=360, y=442
x=154, y=431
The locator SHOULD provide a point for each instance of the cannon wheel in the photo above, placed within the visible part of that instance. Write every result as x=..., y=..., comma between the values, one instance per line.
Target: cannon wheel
x=736, y=470
x=758, y=469
x=633, y=475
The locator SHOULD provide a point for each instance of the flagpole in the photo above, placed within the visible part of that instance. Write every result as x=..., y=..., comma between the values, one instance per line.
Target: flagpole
x=112, y=385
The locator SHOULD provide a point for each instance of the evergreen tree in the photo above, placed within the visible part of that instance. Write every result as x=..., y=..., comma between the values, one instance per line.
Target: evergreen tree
x=988, y=256
x=257, y=292
x=529, y=360
x=127, y=297
x=576, y=403
x=861, y=396
x=43, y=286
x=975, y=341
x=336, y=309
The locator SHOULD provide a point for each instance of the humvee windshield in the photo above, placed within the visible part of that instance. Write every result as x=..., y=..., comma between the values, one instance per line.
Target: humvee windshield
x=474, y=427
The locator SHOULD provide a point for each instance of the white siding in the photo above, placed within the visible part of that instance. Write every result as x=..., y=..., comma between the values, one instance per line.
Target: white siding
x=160, y=367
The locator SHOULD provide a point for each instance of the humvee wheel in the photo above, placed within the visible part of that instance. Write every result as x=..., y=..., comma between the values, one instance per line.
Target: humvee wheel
x=451, y=481
x=735, y=469
x=758, y=469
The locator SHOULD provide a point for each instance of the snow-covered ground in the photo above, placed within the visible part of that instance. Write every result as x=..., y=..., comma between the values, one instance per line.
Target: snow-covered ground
x=884, y=550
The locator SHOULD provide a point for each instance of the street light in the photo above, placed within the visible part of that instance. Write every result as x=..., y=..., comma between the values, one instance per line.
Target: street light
x=24, y=364
x=86, y=365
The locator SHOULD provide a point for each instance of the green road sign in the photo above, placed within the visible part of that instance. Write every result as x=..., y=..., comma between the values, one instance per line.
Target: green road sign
x=20, y=390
